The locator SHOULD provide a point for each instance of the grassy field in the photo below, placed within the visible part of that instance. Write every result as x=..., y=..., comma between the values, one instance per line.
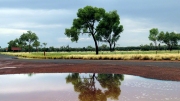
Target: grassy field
x=103, y=55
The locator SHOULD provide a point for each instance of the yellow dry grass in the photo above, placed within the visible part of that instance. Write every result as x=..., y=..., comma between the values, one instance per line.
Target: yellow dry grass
x=155, y=57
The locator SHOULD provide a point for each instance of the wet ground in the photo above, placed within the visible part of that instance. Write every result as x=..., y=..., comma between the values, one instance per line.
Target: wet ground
x=163, y=70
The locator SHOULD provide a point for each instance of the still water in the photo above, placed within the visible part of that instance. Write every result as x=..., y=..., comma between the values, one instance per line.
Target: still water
x=85, y=87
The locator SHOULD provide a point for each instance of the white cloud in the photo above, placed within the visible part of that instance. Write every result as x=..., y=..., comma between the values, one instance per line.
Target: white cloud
x=136, y=31
x=85, y=39
x=28, y=25
x=64, y=39
x=35, y=12
x=136, y=24
x=9, y=31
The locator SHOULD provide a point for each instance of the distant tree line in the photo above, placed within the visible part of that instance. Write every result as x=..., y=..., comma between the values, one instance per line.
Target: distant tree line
x=90, y=48
x=170, y=39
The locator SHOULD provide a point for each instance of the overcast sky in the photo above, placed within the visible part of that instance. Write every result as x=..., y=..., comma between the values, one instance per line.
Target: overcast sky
x=49, y=18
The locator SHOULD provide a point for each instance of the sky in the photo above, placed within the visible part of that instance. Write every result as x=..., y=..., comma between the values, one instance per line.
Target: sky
x=49, y=18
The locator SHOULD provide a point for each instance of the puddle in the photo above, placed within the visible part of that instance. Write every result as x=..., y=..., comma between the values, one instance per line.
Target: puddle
x=85, y=87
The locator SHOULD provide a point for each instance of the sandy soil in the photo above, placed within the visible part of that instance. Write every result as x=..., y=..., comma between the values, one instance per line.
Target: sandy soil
x=163, y=70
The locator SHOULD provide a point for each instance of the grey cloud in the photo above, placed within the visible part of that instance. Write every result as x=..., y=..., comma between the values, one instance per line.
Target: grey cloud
x=49, y=18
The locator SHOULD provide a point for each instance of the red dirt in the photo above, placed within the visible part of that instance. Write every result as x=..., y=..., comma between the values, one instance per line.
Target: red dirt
x=162, y=73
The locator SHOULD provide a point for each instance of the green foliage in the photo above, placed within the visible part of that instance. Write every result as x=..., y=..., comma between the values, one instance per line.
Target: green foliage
x=15, y=43
x=28, y=37
x=170, y=39
x=12, y=43
x=72, y=33
x=25, y=38
x=109, y=29
x=36, y=44
x=103, y=46
x=145, y=47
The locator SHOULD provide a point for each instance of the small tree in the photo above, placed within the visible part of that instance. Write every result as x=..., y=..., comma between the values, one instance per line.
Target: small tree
x=44, y=45
x=153, y=36
x=51, y=48
x=89, y=48
x=103, y=46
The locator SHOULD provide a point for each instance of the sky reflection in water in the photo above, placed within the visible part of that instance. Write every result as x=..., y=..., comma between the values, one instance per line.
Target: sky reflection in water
x=85, y=87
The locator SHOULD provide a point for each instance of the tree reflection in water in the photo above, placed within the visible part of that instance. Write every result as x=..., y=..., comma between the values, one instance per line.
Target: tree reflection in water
x=88, y=91
x=30, y=74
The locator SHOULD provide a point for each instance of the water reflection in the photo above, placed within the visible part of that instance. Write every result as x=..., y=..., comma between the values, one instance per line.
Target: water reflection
x=86, y=86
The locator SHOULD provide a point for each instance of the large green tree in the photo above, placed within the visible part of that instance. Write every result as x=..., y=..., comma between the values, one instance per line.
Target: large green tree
x=109, y=29
x=28, y=37
x=153, y=34
x=86, y=22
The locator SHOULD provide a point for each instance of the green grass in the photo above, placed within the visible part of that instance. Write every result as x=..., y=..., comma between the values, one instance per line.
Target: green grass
x=103, y=55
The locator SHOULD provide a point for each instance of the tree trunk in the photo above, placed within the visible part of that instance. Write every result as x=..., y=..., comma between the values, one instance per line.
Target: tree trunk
x=170, y=48
x=155, y=45
x=114, y=46
x=96, y=48
x=110, y=47
x=96, y=45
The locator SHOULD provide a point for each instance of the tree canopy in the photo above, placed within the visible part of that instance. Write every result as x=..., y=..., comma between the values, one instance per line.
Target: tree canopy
x=29, y=37
x=170, y=39
x=26, y=38
x=12, y=43
x=88, y=20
